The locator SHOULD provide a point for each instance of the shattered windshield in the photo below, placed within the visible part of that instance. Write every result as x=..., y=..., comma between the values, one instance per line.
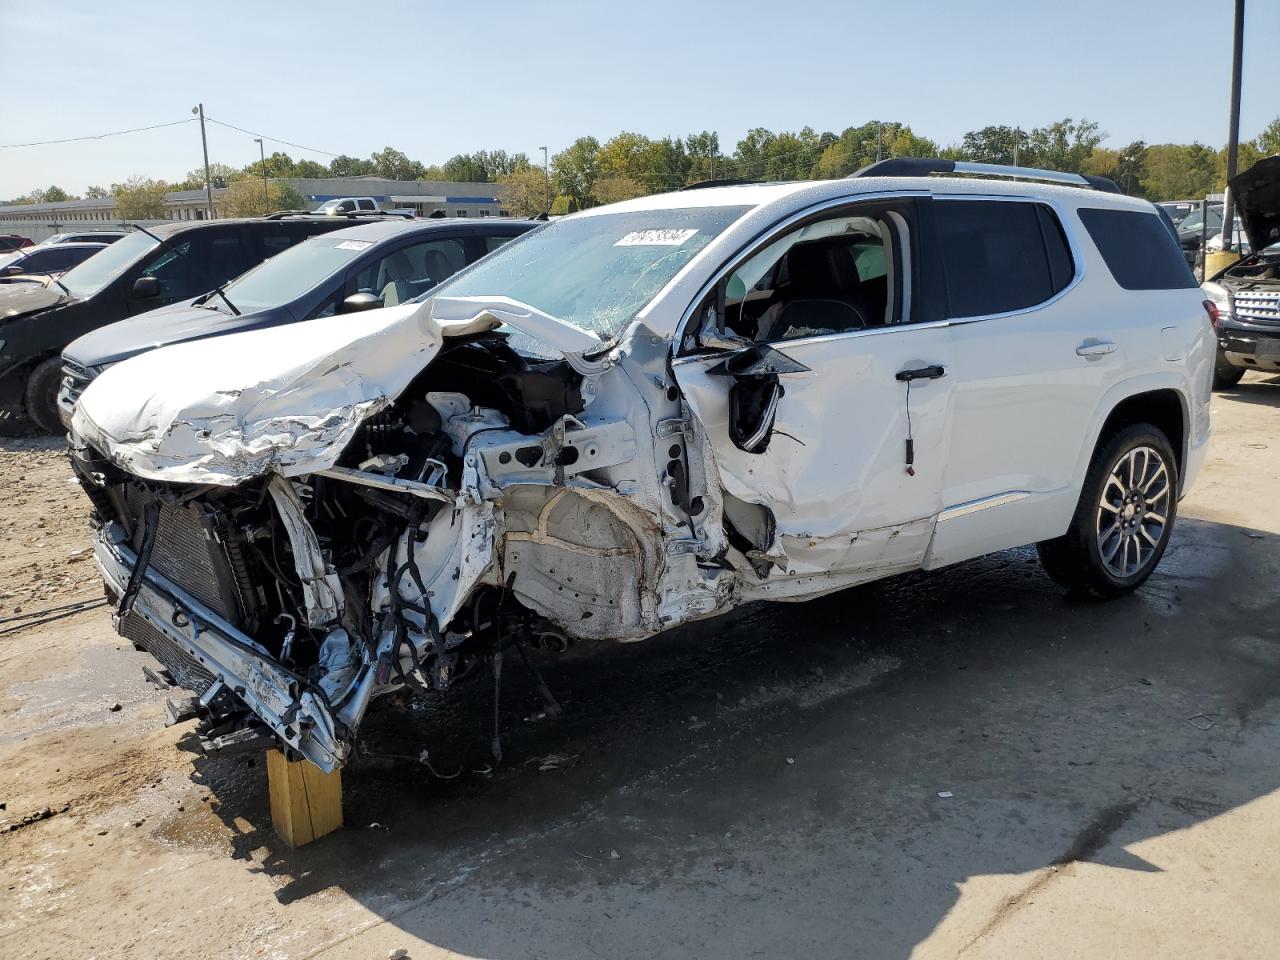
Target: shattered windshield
x=596, y=271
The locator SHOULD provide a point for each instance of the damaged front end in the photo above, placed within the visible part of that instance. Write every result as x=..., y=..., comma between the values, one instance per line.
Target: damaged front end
x=407, y=500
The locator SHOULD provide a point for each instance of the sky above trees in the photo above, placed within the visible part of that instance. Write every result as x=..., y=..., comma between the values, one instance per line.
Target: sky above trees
x=441, y=80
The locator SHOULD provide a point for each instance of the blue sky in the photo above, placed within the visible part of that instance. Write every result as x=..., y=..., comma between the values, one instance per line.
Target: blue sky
x=434, y=79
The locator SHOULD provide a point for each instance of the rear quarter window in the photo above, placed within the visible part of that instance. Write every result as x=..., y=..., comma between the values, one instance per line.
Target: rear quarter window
x=1138, y=249
x=1000, y=256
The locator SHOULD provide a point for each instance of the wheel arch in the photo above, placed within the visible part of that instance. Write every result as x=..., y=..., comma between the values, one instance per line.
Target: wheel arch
x=1162, y=403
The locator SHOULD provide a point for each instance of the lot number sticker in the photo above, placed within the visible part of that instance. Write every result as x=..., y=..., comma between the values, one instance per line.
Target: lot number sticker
x=355, y=244
x=655, y=238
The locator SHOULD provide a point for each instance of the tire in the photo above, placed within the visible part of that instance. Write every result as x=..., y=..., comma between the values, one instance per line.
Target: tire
x=1225, y=376
x=42, y=395
x=1110, y=550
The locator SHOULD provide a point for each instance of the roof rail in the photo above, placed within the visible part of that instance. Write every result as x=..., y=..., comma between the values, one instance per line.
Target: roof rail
x=934, y=166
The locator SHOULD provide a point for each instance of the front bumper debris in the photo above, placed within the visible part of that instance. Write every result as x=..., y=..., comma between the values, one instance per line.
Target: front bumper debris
x=284, y=701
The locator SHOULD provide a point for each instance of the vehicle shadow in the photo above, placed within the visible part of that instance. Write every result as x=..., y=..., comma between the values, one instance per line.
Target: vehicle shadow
x=1255, y=389
x=826, y=774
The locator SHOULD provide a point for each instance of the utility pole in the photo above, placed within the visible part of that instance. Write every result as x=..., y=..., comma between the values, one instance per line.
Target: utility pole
x=1233, y=129
x=262, y=152
x=546, y=175
x=1016, y=138
x=204, y=145
x=879, y=140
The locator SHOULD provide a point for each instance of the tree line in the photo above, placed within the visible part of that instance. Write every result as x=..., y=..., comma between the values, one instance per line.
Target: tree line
x=588, y=172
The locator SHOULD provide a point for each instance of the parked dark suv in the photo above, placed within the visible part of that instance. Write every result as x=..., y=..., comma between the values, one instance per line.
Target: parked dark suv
x=359, y=268
x=147, y=269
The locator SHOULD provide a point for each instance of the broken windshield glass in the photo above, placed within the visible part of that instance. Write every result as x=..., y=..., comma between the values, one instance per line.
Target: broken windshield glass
x=596, y=271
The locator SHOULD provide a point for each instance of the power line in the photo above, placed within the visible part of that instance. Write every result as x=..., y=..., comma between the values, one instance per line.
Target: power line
x=96, y=136
x=287, y=143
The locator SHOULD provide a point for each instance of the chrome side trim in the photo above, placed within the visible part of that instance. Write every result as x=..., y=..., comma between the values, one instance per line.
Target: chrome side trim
x=973, y=506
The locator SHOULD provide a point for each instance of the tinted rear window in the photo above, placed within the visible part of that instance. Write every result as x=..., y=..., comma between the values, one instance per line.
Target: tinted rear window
x=1138, y=249
x=1000, y=256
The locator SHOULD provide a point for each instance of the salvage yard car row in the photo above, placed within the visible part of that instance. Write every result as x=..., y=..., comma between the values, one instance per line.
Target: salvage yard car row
x=641, y=415
x=172, y=264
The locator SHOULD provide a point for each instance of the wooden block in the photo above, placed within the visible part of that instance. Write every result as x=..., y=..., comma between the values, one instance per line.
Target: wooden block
x=306, y=802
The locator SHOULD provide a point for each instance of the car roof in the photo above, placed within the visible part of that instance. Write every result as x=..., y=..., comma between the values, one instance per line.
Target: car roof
x=166, y=230
x=378, y=230
x=800, y=193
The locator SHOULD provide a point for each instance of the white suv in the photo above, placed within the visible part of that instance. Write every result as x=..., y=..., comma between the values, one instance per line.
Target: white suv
x=648, y=413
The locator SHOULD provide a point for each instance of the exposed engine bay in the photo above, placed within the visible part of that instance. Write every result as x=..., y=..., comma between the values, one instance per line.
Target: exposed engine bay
x=499, y=500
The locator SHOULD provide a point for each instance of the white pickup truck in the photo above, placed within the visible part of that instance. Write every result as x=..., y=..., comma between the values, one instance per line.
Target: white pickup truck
x=344, y=205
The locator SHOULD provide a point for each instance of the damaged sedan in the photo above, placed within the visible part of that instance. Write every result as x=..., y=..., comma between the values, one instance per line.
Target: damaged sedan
x=642, y=415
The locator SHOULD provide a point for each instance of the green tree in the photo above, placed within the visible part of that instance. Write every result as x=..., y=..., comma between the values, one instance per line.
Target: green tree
x=248, y=198
x=344, y=166
x=615, y=189
x=310, y=170
x=1063, y=145
x=464, y=168
x=56, y=195
x=220, y=174
x=97, y=193
x=1267, y=142
x=291, y=198
x=575, y=169
x=1177, y=171
x=703, y=152
x=525, y=192
x=394, y=165
x=140, y=198
x=994, y=144
x=625, y=155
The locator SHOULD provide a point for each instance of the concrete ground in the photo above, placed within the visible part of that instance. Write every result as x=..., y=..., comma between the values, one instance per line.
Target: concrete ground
x=965, y=764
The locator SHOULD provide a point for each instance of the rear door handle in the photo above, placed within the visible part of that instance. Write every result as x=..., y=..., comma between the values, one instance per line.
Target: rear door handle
x=1093, y=349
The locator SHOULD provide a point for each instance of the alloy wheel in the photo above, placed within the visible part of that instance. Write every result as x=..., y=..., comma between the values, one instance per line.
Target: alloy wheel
x=1133, y=512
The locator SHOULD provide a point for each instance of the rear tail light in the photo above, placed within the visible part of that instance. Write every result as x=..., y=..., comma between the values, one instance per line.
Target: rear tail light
x=1211, y=309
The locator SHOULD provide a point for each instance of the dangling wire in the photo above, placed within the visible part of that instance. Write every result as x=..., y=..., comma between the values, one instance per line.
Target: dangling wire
x=911, y=445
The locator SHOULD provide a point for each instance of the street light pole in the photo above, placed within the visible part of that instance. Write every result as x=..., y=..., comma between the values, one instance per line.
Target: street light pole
x=546, y=174
x=204, y=145
x=262, y=152
x=1233, y=129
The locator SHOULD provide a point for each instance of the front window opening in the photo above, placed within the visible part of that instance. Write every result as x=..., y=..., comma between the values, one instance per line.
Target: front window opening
x=825, y=277
x=596, y=271
x=100, y=269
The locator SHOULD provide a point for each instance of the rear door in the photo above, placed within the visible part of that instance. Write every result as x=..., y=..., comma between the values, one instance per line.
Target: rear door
x=1030, y=360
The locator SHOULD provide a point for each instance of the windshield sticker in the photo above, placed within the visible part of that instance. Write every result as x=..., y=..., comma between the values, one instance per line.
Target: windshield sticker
x=355, y=244
x=655, y=238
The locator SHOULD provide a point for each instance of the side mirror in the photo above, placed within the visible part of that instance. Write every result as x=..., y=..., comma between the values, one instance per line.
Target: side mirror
x=360, y=301
x=754, y=395
x=144, y=288
x=13, y=270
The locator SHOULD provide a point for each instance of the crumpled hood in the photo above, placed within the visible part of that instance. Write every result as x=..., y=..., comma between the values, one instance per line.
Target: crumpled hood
x=174, y=324
x=284, y=399
x=1257, y=199
x=19, y=298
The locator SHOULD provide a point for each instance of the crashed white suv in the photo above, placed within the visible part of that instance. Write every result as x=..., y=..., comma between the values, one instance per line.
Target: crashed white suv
x=645, y=414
